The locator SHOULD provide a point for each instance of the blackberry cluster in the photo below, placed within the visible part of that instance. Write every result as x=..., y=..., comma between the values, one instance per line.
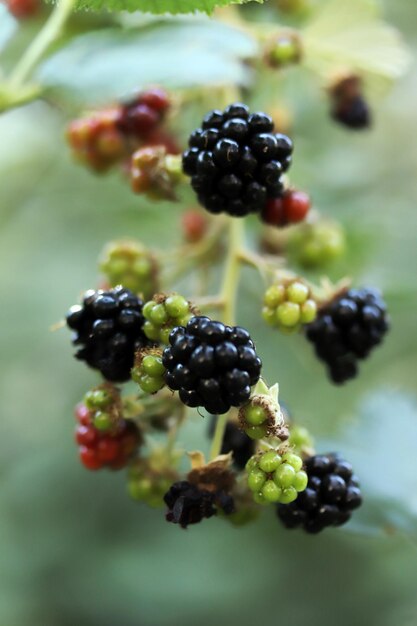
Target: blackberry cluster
x=211, y=365
x=187, y=504
x=347, y=329
x=236, y=161
x=235, y=441
x=331, y=495
x=108, y=326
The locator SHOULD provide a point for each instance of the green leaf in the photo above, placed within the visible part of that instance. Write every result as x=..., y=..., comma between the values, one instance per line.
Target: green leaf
x=158, y=6
x=381, y=446
x=8, y=26
x=113, y=62
x=348, y=34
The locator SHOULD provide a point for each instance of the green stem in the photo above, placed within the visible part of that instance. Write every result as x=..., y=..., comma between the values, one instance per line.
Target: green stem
x=45, y=38
x=228, y=293
x=229, y=287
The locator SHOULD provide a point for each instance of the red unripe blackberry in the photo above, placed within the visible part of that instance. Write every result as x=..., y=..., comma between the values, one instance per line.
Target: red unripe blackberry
x=347, y=329
x=194, y=226
x=23, y=9
x=211, y=365
x=110, y=449
x=332, y=494
x=142, y=115
x=291, y=208
x=108, y=327
x=236, y=161
x=156, y=99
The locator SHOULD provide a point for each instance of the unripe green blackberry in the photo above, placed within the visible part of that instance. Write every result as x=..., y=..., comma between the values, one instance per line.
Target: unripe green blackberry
x=150, y=478
x=288, y=305
x=275, y=477
x=301, y=441
x=164, y=313
x=148, y=371
x=129, y=263
x=284, y=49
x=317, y=244
x=104, y=407
x=261, y=416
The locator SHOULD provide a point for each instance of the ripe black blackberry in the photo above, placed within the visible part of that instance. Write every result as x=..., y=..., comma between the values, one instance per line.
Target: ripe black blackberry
x=236, y=161
x=331, y=495
x=187, y=504
x=235, y=441
x=347, y=329
x=211, y=365
x=353, y=113
x=108, y=326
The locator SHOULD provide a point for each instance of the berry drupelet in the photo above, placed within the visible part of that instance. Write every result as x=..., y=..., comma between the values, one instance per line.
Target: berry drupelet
x=332, y=494
x=236, y=161
x=347, y=329
x=211, y=365
x=188, y=504
x=108, y=326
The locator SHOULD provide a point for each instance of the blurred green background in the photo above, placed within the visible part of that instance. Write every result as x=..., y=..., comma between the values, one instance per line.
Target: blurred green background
x=74, y=549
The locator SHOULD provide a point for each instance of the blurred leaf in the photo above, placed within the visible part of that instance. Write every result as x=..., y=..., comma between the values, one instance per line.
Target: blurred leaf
x=349, y=35
x=381, y=446
x=113, y=62
x=8, y=25
x=158, y=6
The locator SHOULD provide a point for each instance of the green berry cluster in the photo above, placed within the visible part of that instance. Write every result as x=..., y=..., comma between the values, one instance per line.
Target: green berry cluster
x=301, y=441
x=317, y=244
x=148, y=372
x=148, y=484
x=100, y=402
x=164, y=313
x=273, y=477
x=130, y=264
x=288, y=306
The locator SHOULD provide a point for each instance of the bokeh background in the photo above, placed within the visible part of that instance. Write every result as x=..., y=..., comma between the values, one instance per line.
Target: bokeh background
x=74, y=549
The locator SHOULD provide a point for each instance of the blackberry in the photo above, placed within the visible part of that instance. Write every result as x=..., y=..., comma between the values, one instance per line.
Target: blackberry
x=99, y=449
x=288, y=305
x=353, y=113
x=347, y=329
x=349, y=106
x=275, y=477
x=236, y=161
x=211, y=365
x=332, y=494
x=108, y=326
x=187, y=504
x=235, y=441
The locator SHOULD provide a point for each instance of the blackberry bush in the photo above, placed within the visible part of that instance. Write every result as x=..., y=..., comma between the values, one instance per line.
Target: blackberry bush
x=188, y=352
x=212, y=365
x=331, y=495
x=347, y=329
x=236, y=161
x=108, y=327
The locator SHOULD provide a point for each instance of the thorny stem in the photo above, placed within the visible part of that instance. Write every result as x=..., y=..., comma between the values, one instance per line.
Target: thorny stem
x=228, y=293
x=51, y=30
